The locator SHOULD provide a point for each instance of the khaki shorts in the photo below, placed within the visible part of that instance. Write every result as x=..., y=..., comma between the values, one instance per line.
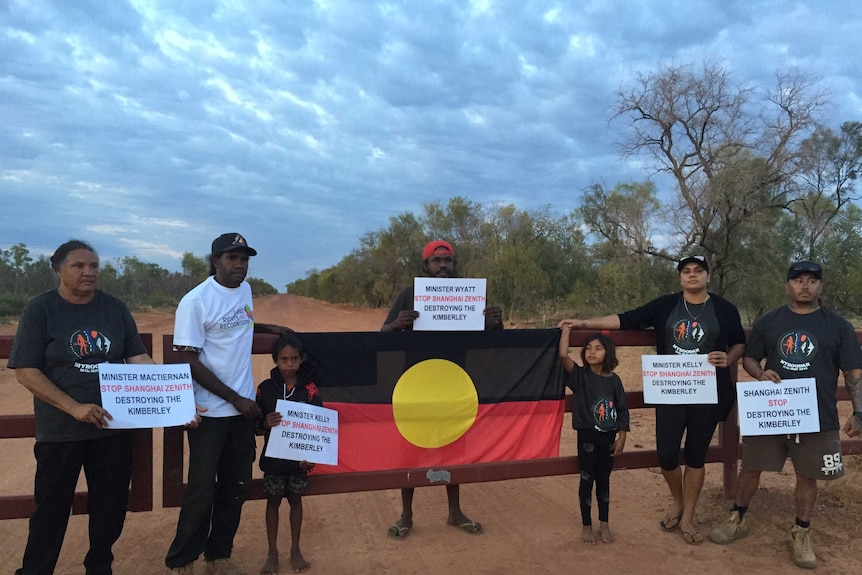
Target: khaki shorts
x=814, y=455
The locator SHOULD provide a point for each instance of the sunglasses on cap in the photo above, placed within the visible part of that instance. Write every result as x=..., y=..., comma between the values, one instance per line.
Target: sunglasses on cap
x=700, y=260
x=800, y=268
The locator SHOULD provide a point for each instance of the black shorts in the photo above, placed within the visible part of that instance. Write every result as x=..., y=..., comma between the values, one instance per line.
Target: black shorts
x=697, y=422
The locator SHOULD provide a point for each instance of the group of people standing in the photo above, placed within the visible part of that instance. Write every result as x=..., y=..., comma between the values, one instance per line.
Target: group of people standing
x=65, y=333
x=802, y=339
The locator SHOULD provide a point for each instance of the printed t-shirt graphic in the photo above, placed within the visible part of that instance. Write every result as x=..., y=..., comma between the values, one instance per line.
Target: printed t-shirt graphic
x=693, y=329
x=796, y=349
x=92, y=347
x=605, y=413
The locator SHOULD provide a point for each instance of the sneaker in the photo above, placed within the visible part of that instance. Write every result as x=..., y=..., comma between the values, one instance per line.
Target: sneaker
x=732, y=529
x=187, y=569
x=803, y=554
x=223, y=567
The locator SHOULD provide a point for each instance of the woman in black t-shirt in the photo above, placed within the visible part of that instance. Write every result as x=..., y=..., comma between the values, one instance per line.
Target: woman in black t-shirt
x=62, y=336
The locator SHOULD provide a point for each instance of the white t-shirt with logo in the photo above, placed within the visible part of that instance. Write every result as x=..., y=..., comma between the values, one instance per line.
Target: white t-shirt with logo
x=220, y=322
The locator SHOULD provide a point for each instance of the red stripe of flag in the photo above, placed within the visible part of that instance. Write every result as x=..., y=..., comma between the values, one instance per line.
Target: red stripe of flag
x=369, y=440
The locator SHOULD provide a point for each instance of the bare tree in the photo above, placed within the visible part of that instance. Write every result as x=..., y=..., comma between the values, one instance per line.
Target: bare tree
x=695, y=123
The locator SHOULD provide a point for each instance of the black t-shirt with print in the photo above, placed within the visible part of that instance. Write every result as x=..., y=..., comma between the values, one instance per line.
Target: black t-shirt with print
x=693, y=329
x=67, y=342
x=719, y=328
x=815, y=344
x=598, y=402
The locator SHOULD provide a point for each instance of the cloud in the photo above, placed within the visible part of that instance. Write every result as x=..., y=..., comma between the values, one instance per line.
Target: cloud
x=151, y=127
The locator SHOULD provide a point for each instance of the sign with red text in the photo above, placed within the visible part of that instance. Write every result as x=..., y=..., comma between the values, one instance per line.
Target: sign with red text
x=678, y=379
x=144, y=395
x=768, y=408
x=305, y=433
x=449, y=304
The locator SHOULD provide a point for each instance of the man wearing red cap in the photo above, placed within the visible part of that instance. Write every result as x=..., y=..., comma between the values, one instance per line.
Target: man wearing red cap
x=438, y=261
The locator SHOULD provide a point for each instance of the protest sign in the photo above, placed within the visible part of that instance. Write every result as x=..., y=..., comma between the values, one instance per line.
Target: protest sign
x=449, y=304
x=305, y=433
x=768, y=408
x=144, y=395
x=678, y=379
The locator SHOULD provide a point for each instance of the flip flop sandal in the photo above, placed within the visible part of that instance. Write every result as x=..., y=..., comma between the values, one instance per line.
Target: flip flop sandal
x=670, y=523
x=469, y=526
x=397, y=532
x=692, y=537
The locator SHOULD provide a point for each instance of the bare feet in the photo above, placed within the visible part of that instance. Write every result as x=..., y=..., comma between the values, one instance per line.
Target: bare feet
x=401, y=528
x=588, y=536
x=298, y=561
x=605, y=530
x=271, y=565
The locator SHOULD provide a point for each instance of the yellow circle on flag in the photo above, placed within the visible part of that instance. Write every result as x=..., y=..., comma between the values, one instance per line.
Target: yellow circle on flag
x=434, y=403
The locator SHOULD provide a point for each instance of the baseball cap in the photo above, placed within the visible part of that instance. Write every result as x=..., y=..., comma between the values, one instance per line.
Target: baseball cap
x=229, y=242
x=432, y=247
x=800, y=268
x=699, y=260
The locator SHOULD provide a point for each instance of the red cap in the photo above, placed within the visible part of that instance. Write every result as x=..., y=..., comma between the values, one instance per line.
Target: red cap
x=432, y=247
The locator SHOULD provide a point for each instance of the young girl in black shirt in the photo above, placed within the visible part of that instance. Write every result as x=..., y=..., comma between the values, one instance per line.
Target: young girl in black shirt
x=600, y=415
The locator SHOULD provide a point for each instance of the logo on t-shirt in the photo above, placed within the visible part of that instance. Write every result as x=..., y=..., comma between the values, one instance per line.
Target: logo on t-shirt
x=605, y=414
x=85, y=343
x=796, y=349
x=238, y=318
x=687, y=335
x=92, y=347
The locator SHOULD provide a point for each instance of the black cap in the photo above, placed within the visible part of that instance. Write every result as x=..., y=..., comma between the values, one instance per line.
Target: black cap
x=699, y=260
x=800, y=268
x=230, y=242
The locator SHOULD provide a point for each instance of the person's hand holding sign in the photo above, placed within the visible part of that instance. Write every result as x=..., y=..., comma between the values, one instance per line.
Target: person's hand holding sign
x=91, y=413
x=493, y=317
x=405, y=319
x=272, y=419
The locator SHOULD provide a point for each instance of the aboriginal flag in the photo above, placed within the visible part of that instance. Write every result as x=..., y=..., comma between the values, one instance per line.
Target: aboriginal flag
x=425, y=399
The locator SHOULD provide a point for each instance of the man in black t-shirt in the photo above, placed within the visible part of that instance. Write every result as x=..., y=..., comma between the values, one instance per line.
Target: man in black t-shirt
x=799, y=340
x=438, y=261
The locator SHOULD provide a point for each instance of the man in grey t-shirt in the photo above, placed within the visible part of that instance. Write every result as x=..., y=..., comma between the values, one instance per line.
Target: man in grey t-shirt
x=799, y=340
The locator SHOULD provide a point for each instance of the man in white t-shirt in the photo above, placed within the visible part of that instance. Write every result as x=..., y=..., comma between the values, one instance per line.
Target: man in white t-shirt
x=213, y=332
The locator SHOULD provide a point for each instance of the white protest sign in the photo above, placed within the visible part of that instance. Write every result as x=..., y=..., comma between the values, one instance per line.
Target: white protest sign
x=142, y=395
x=305, y=433
x=449, y=304
x=767, y=408
x=678, y=379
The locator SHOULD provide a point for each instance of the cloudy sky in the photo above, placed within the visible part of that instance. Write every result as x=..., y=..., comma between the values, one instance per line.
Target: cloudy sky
x=148, y=127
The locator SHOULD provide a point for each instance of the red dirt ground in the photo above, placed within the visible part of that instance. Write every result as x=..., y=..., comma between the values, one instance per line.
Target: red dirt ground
x=531, y=525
